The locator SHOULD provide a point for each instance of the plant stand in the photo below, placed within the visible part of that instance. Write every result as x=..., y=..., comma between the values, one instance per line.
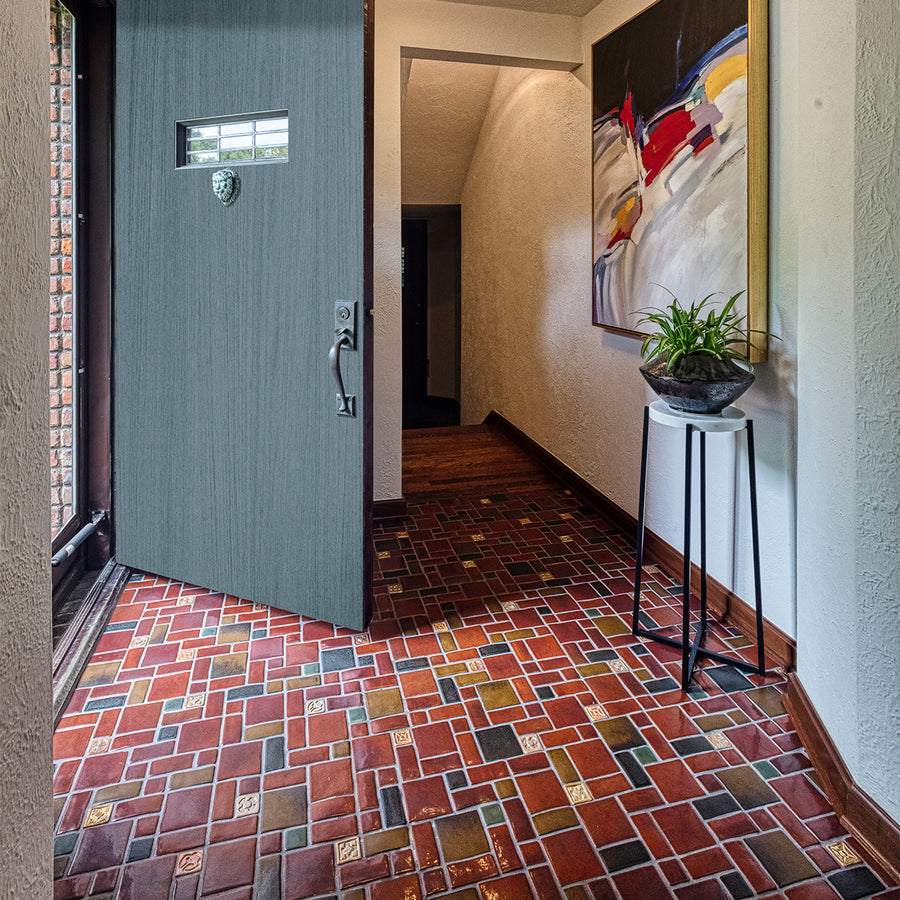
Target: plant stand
x=730, y=420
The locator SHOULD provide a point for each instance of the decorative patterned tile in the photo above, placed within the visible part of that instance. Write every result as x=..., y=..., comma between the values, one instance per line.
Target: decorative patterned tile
x=483, y=737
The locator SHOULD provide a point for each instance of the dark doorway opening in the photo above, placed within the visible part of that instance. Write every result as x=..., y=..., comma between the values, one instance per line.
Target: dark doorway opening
x=431, y=316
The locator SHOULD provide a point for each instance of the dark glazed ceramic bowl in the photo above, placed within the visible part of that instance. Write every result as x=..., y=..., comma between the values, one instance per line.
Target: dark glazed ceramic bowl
x=701, y=383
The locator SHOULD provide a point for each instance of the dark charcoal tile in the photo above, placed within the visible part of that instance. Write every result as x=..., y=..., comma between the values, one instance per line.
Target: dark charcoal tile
x=106, y=703
x=64, y=844
x=661, y=685
x=274, y=754
x=781, y=858
x=498, y=743
x=545, y=693
x=366, y=660
x=737, y=887
x=410, y=665
x=854, y=883
x=267, y=878
x=121, y=626
x=543, y=610
x=494, y=649
x=392, y=806
x=139, y=849
x=456, y=780
x=647, y=621
x=745, y=785
x=258, y=633
x=519, y=568
x=601, y=588
x=241, y=693
x=167, y=733
x=449, y=690
x=601, y=655
x=337, y=660
x=633, y=769
x=624, y=856
x=716, y=805
x=640, y=650
x=690, y=745
x=620, y=733
x=728, y=679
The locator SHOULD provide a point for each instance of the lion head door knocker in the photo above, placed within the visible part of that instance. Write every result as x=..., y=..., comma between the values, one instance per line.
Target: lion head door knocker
x=226, y=185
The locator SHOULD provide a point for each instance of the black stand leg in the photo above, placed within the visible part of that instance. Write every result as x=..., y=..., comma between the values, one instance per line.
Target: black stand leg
x=686, y=586
x=754, y=525
x=639, y=558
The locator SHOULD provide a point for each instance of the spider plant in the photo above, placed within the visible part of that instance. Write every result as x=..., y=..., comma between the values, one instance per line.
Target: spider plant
x=683, y=331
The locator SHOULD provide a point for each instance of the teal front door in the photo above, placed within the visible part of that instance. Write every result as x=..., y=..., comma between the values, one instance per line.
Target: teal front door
x=241, y=290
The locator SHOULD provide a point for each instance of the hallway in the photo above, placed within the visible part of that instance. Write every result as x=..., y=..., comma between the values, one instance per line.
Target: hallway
x=496, y=734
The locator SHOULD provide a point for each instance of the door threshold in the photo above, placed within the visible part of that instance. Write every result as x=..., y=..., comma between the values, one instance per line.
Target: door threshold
x=76, y=646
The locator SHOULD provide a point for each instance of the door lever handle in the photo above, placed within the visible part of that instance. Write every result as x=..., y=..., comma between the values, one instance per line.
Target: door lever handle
x=346, y=403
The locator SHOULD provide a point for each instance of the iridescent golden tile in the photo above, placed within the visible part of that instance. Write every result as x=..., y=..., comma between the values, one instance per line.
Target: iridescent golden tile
x=719, y=740
x=555, y=820
x=98, y=746
x=227, y=620
x=475, y=665
x=305, y=681
x=274, y=687
x=138, y=692
x=453, y=620
x=642, y=675
x=385, y=841
x=576, y=892
x=611, y=626
x=531, y=743
x=348, y=850
x=387, y=702
x=519, y=635
x=564, y=769
x=651, y=570
x=578, y=792
x=340, y=750
x=194, y=701
x=246, y=805
x=99, y=674
x=401, y=737
x=497, y=694
x=128, y=790
x=461, y=836
x=477, y=537
x=227, y=665
x=402, y=534
x=189, y=862
x=714, y=722
x=567, y=539
x=471, y=678
x=384, y=554
x=448, y=645
x=185, y=655
x=768, y=699
x=843, y=853
x=98, y=815
x=596, y=713
x=738, y=716
x=545, y=576
x=315, y=706
x=505, y=788
x=191, y=777
x=600, y=668
x=485, y=501
x=158, y=635
x=451, y=669
x=395, y=589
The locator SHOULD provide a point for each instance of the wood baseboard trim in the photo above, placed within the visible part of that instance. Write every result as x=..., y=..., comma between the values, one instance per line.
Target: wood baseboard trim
x=781, y=649
x=876, y=831
x=389, y=509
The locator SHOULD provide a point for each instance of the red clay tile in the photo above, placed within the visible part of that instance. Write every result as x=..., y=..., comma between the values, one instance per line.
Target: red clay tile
x=674, y=781
x=426, y=845
x=605, y=821
x=640, y=884
x=426, y=798
x=228, y=865
x=572, y=856
x=308, y=873
x=240, y=759
x=186, y=807
x=510, y=887
x=542, y=791
x=683, y=828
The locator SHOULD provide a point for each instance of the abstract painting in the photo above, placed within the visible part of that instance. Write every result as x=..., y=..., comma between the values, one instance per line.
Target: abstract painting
x=679, y=160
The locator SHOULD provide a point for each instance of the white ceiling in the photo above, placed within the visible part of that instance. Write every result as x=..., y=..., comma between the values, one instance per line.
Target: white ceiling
x=561, y=7
x=444, y=104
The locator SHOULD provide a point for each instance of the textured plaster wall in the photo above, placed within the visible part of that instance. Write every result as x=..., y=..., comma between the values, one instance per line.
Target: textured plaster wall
x=25, y=697
x=530, y=352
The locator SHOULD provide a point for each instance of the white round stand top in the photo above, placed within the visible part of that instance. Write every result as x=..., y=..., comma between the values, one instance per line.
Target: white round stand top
x=730, y=419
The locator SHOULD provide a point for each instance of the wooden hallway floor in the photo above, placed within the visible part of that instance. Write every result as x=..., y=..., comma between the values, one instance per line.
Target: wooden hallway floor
x=497, y=733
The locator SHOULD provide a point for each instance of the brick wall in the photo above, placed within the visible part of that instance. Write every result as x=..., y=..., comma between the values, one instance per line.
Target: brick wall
x=61, y=444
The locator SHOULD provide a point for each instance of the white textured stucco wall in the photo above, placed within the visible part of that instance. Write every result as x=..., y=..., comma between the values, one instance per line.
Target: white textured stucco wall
x=530, y=352
x=877, y=266
x=25, y=650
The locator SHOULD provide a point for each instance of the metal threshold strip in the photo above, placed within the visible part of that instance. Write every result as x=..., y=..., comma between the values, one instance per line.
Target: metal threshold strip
x=77, y=644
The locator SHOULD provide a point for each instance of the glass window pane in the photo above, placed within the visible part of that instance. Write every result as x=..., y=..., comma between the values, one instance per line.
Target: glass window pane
x=203, y=131
x=231, y=143
x=271, y=140
x=237, y=128
x=272, y=125
x=245, y=139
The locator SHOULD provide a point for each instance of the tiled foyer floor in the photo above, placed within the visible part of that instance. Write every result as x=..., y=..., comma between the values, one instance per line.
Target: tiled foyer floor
x=496, y=734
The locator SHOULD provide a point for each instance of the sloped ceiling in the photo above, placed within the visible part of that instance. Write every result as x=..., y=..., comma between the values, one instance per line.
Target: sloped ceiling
x=444, y=104
x=562, y=7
